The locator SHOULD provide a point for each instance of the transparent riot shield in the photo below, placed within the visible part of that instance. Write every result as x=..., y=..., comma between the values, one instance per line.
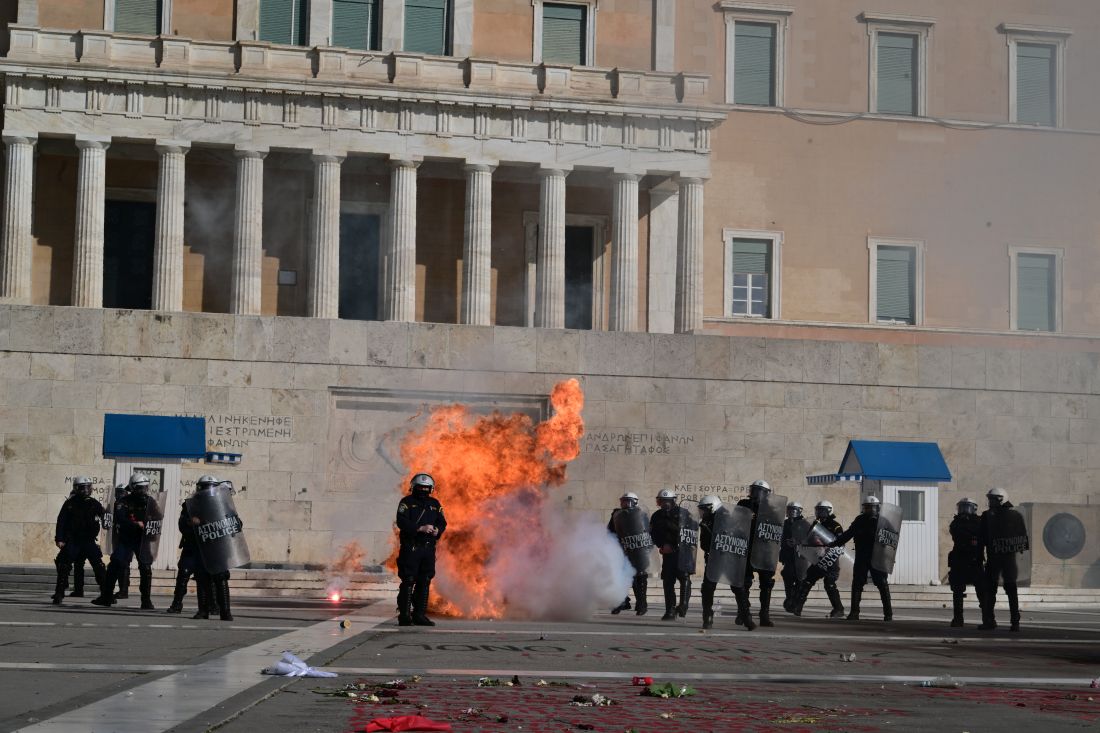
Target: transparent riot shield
x=632, y=529
x=816, y=551
x=768, y=535
x=219, y=530
x=729, y=550
x=800, y=535
x=1008, y=532
x=154, y=526
x=886, y=538
x=689, y=541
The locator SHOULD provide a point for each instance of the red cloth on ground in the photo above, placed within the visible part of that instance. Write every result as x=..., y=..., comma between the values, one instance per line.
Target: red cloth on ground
x=406, y=722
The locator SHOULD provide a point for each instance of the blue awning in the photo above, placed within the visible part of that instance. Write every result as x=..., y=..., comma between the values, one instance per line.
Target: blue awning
x=888, y=460
x=153, y=436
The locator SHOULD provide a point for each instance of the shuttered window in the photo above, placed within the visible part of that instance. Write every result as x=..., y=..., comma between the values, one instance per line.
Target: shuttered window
x=897, y=73
x=426, y=27
x=284, y=21
x=355, y=24
x=138, y=16
x=564, y=34
x=896, y=278
x=1035, y=84
x=750, y=267
x=1035, y=292
x=754, y=63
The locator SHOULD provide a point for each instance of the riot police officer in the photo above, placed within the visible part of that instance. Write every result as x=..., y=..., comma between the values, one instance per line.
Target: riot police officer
x=1005, y=534
x=757, y=491
x=966, y=561
x=211, y=588
x=133, y=521
x=111, y=540
x=826, y=568
x=420, y=523
x=795, y=525
x=75, y=535
x=708, y=507
x=628, y=502
x=666, y=527
x=187, y=565
x=863, y=530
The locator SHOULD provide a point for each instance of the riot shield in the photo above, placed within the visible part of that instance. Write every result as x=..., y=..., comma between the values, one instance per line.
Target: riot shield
x=800, y=534
x=768, y=535
x=107, y=537
x=817, y=552
x=1007, y=532
x=886, y=538
x=632, y=528
x=689, y=541
x=219, y=532
x=154, y=525
x=729, y=550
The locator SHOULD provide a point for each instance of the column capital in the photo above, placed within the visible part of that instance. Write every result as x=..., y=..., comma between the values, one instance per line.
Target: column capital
x=626, y=175
x=93, y=142
x=167, y=147
x=479, y=166
x=555, y=171
x=405, y=161
x=690, y=180
x=250, y=151
x=19, y=138
x=327, y=157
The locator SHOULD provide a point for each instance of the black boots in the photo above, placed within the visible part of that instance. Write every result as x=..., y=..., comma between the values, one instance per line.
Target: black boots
x=641, y=587
x=887, y=607
x=182, y=577
x=957, y=610
x=744, y=610
x=834, y=598
x=78, y=580
x=670, y=598
x=420, y=604
x=624, y=606
x=221, y=593
x=145, y=585
x=106, y=597
x=202, y=596
x=404, y=604
x=765, y=607
x=800, y=596
x=857, y=596
x=1013, y=609
x=123, y=581
x=685, y=597
x=62, y=583
x=707, y=593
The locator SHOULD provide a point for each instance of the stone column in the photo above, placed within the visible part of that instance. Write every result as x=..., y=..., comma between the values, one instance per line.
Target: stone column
x=550, y=289
x=664, y=204
x=91, y=195
x=324, y=244
x=689, y=257
x=400, y=292
x=477, y=244
x=248, y=230
x=624, y=253
x=16, y=246
x=168, y=247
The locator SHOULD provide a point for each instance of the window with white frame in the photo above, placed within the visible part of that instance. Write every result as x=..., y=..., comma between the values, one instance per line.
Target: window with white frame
x=755, y=39
x=752, y=267
x=1036, y=289
x=898, y=63
x=896, y=293
x=144, y=17
x=284, y=21
x=1036, y=59
x=564, y=33
x=355, y=24
x=428, y=26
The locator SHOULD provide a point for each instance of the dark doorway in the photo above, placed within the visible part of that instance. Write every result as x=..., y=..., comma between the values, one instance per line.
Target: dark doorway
x=578, y=277
x=129, y=228
x=360, y=236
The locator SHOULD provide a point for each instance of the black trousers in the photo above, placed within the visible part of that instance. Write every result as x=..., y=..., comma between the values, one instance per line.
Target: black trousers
x=830, y=576
x=790, y=580
x=1002, y=570
x=415, y=568
x=860, y=571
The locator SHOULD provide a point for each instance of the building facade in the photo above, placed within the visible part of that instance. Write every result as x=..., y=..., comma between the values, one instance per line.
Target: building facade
x=755, y=230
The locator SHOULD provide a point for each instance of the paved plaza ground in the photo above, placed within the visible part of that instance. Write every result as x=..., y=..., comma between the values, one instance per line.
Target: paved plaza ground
x=80, y=668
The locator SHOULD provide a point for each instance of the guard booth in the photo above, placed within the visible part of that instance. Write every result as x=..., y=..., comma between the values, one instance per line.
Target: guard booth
x=156, y=446
x=909, y=475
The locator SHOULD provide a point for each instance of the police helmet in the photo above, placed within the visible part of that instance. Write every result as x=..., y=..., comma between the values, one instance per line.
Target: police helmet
x=823, y=509
x=629, y=500
x=139, y=482
x=666, y=494
x=82, y=485
x=121, y=490
x=966, y=505
x=794, y=510
x=710, y=504
x=422, y=482
x=871, y=505
x=997, y=496
x=206, y=482
x=759, y=488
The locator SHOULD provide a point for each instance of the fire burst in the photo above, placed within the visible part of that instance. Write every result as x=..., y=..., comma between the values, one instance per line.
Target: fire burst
x=486, y=467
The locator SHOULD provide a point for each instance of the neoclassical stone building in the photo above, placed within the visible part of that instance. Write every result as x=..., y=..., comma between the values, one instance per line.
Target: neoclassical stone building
x=755, y=230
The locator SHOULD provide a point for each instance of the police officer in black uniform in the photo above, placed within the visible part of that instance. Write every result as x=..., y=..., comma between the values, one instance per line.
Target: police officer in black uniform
x=708, y=505
x=75, y=535
x=211, y=589
x=664, y=528
x=863, y=529
x=187, y=565
x=421, y=523
x=757, y=491
x=1001, y=562
x=794, y=524
x=121, y=490
x=132, y=513
x=966, y=561
x=823, y=517
x=640, y=585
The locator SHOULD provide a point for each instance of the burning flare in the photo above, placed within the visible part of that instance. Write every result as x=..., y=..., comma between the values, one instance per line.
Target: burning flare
x=492, y=474
x=349, y=561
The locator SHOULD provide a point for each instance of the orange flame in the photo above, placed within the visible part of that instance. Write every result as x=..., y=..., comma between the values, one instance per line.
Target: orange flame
x=349, y=561
x=477, y=462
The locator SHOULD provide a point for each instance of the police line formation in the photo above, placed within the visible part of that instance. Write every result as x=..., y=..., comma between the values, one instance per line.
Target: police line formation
x=764, y=531
x=211, y=543
x=749, y=539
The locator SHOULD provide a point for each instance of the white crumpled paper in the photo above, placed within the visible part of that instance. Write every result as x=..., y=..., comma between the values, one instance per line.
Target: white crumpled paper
x=292, y=666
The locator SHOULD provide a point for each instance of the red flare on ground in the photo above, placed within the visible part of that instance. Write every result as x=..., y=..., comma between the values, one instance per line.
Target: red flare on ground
x=477, y=462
